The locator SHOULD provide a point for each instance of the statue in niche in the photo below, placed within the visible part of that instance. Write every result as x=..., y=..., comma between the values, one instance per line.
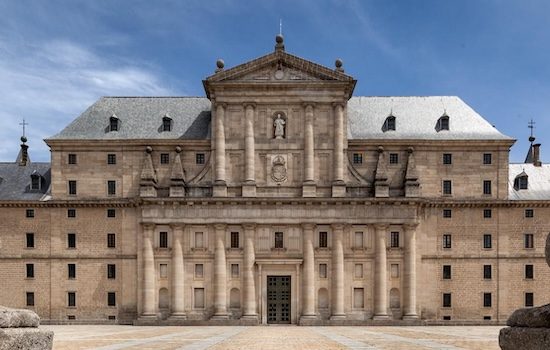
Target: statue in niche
x=279, y=124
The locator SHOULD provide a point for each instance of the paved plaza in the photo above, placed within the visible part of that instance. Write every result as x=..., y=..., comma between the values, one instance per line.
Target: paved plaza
x=274, y=337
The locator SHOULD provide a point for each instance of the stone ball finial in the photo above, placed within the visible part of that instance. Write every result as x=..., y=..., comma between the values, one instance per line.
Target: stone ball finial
x=23, y=139
x=531, y=138
x=279, y=39
x=149, y=149
x=178, y=149
x=338, y=63
x=220, y=63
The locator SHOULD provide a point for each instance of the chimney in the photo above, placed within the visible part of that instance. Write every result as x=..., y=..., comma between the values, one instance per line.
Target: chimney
x=536, y=155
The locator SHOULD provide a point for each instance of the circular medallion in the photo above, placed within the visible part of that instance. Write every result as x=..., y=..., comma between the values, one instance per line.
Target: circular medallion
x=279, y=74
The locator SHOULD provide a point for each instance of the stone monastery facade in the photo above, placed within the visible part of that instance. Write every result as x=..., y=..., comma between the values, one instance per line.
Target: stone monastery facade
x=277, y=198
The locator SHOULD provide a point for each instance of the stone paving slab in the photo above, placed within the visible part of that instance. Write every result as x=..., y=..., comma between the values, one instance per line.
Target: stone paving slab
x=110, y=337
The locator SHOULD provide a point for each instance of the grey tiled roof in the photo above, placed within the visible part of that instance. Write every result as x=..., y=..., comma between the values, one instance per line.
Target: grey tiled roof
x=538, y=178
x=15, y=181
x=141, y=118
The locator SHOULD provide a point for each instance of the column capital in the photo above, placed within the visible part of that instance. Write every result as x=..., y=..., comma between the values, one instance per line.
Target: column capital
x=337, y=226
x=249, y=104
x=381, y=226
x=409, y=226
x=148, y=226
x=177, y=226
x=221, y=104
x=308, y=105
x=220, y=226
x=338, y=104
x=308, y=226
x=249, y=226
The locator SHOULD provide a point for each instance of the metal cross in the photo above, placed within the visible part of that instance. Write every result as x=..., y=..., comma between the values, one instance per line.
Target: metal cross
x=281, y=26
x=531, y=125
x=24, y=123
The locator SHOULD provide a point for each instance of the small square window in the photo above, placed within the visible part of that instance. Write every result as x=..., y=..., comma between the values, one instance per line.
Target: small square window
x=111, y=271
x=71, y=271
x=72, y=187
x=446, y=318
x=279, y=242
x=199, y=158
x=528, y=240
x=71, y=240
x=30, y=270
x=487, y=272
x=199, y=270
x=529, y=213
x=111, y=158
x=163, y=239
x=447, y=213
x=111, y=213
x=529, y=272
x=529, y=299
x=394, y=158
x=234, y=240
x=446, y=272
x=71, y=317
x=447, y=241
x=487, y=158
x=358, y=270
x=111, y=187
x=447, y=300
x=234, y=270
x=71, y=213
x=71, y=299
x=164, y=158
x=322, y=270
x=29, y=213
x=30, y=298
x=487, y=213
x=357, y=158
x=487, y=318
x=111, y=240
x=72, y=158
x=163, y=270
x=111, y=299
x=487, y=241
x=447, y=187
x=487, y=299
x=323, y=239
x=487, y=187
x=30, y=240
x=394, y=240
x=447, y=158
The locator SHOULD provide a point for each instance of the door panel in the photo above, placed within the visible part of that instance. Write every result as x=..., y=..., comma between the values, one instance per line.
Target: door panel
x=278, y=299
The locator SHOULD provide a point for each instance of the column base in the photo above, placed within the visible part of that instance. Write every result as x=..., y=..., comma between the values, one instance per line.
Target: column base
x=178, y=316
x=337, y=317
x=250, y=317
x=410, y=317
x=220, y=317
x=219, y=189
x=148, y=317
x=309, y=189
x=339, y=189
x=381, y=317
x=249, y=189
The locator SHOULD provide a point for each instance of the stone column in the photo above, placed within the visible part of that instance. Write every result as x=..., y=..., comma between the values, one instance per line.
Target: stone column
x=220, y=274
x=409, y=300
x=380, y=274
x=337, y=272
x=250, y=309
x=220, y=188
x=249, y=186
x=309, y=189
x=338, y=185
x=149, y=288
x=178, y=306
x=308, y=277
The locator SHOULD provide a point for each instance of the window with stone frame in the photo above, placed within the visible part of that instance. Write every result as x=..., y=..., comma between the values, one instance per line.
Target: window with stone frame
x=72, y=187
x=323, y=239
x=199, y=271
x=357, y=158
x=111, y=271
x=446, y=272
x=29, y=237
x=359, y=240
x=528, y=241
x=71, y=271
x=199, y=240
x=487, y=272
x=164, y=158
x=71, y=299
x=487, y=299
x=447, y=243
x=111, y=187
x=71, y=159
x=529, y=299
x=529, y=213
x=487, y=187
x=30, y=270
x=71, y=213
x=71, y=240
x=447, y=302
x=279, y=240
x=111, y=240
x=529, y=271
x=235, y=240
x=111, y=213
x=447, y=187
x=394, y=158
x=234, y=270
x=111, y=299
x=394, y=240
x=487, y=241
x=111, y=159
x=447, y=213
x=487, y=158
x=30, y=298
x=199, y=158
x=166, y=124
x=29, y=213
x=487, y=213
x=447, y=158
x=322, y=270
x=163, y=239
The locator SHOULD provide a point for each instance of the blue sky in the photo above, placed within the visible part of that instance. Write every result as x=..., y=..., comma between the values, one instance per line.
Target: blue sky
x=58, y=57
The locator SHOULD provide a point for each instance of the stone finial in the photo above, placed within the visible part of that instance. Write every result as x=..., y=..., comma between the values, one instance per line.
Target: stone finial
x=219, y=65
x=381, y=185
x=279, y=46
x=338, y=64
x=177, y=176
x=148, y=178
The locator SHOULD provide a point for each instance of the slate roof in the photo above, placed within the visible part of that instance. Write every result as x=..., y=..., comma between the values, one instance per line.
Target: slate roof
x=15, y=181
x=538, y=181
x=416, y=118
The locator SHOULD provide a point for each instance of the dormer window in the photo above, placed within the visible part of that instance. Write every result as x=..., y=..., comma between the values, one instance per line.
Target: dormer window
x=389, y=124
x=521, y=182
x=36, y=181
x=113, y=123
x=166, y=124
x=442, y=123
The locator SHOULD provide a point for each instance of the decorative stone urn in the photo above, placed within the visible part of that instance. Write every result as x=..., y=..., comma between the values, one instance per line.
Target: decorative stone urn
x=19, y=330
x=530, y=327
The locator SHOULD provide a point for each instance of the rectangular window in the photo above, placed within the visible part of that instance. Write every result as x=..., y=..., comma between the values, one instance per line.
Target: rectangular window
x=198, y=298
x=30, y=270
x=447, y=187
x=486, y=187
x=111, y=187
x=71, y=213
x=199, y=158
x=529, y=213
x=447, y=158
x=30, y=298
x=234, y=270
x=487, y=158
x=111, y=271
x=358, y=240
x=71, y=240
x=199, y=270
x=29, y=213
x=394, y=158
x=30, y=240
x=357, y=158
x=322, y=270
x=234, y=240
x=323, y=239
x=72, y=187
x=529, y=300
x=487, y=272
x=111, y=213
x=111, y=240
x=446, y=318
x=394, y=270
x=447, y=300
x=111, y=158
x=446, y=272
x=111, y=299
x=163, y=239
x=487, y=213
x=71, y=299
x=279, y=240
x=71, y=271
x=447, y=241
x=71, y=317
x=358, y=270
x=529, y=272
x=199, y=240
x=72, y=158
x=394, y=240
x=164, y=158
x=487, y=299
x=358, y=298
x=35, y=182
x=528, y=240
x=447, y=213
x=487, y=318
x=487, y=241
